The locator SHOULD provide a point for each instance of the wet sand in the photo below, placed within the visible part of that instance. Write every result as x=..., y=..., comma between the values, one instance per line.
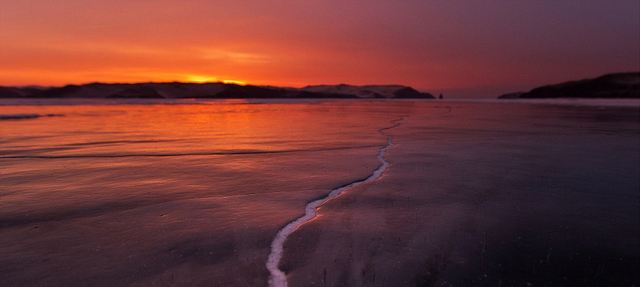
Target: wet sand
x=528, y=196
x=187, y=195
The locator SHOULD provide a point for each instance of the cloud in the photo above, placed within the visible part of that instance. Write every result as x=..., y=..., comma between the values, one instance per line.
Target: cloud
x=236, y=57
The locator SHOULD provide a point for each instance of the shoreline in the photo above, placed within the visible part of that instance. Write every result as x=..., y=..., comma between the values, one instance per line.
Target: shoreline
x=278, y=278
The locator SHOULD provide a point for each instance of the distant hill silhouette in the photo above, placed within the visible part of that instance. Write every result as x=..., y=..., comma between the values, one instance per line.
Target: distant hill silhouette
x=370, y=91
x=211, y=90
x=618, y=85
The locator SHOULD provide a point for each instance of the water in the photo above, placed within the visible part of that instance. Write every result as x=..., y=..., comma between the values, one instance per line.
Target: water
x=278, y=278
x=192, y=193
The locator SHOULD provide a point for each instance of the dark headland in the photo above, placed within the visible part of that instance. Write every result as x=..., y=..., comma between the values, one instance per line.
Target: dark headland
x=613, y=86
x=212, y=90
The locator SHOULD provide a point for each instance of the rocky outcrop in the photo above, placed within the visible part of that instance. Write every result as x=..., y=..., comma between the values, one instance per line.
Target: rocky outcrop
x=410, y=93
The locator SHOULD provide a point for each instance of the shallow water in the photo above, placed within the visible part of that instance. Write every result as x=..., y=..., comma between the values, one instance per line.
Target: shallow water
x=188, y=193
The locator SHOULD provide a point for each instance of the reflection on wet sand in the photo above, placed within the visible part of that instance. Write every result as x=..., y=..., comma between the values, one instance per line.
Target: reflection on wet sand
x=83, y=200
x=189, y=195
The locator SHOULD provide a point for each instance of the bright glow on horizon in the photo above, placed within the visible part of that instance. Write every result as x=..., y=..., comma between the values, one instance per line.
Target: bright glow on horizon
x=207, y=79
x=234, y=82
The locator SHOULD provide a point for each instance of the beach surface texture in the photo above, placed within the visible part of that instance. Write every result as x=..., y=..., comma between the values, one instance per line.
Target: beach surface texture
x=319, y=193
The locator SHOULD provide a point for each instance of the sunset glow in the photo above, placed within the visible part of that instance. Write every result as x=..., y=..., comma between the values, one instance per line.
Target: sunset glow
x=430, y=45
x=298, y=143
x=209, y=79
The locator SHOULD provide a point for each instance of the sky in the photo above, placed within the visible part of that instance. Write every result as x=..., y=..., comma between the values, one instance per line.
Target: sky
x=460, y=48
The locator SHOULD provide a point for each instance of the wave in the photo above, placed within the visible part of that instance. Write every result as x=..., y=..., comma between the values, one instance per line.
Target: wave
x=278, y=278
x=242, y=152
x=26, y=116
x=19, y=116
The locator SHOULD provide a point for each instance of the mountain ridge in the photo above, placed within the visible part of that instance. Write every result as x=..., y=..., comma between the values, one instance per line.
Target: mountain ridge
x=171, y=90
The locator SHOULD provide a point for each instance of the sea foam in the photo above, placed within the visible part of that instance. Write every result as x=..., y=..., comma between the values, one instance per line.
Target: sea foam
x=278, y=278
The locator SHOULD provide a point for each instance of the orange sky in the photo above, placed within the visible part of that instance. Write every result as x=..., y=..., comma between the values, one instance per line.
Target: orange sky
x=481, y=48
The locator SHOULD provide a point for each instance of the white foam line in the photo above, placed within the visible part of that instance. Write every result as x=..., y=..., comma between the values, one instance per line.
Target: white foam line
x=278, y=278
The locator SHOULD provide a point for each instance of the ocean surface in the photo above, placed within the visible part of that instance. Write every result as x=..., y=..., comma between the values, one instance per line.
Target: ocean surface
x=193, y=193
